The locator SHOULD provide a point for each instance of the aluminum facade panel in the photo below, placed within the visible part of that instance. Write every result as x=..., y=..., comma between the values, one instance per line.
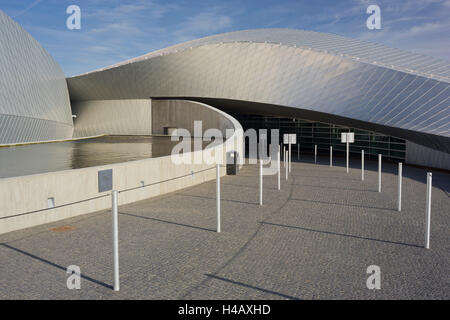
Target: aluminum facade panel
x=34, y=100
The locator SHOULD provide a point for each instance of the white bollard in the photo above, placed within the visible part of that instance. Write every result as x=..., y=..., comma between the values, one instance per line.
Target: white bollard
x=278, y=168
x=379, y=172
x=286, y=167
x=115, y=231
x=331, y=156
x=428, y=215
x=260, y=182
x=362, y=165
x=400, y=167
x=347, y=155
x=284, y=156
x=218, y=195
x=290, y=158
x=315, y=153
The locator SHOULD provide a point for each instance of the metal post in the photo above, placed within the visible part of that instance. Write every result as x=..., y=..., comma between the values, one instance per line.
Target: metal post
x=286, y=167
x=362, y=165
x=218, y=195
x=428, y=216
x=379, y=172
x=331, y=156
x=298, y=151
x=257, y=150
x=260, y=182
x=347, y=156
x=278, y=167
x=290, y=158
x=400, y=167
x=284, y=156
x=115, y=230
x=315, y=153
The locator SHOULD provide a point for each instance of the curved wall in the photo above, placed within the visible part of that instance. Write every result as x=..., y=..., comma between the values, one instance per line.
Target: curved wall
x=415, y=103
x=183, y=113
x=75, y=192
x=34, y=100
x=120, y=117
x=143, y=117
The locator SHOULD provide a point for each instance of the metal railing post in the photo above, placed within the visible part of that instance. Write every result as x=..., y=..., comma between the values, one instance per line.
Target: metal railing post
x=362, y=165
x=400, y=167
x=286, y=167
x=290, y=157
x=218, y=196
x=428, y=211
x=331, y=156
x=260, y=182
x=379, y=172
x=278, y=168
x=315, y=153
x=115, y=231
x=347, y=154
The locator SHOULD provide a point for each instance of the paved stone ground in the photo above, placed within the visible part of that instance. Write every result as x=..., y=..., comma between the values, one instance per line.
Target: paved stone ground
x=314, y=239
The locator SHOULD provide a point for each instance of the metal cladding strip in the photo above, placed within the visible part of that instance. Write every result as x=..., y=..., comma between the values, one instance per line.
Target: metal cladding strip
x=308, y=71
x=34, y=100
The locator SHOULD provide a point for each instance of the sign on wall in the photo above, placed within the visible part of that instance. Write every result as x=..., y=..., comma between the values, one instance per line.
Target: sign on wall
x=105, y=180
x=289, y=138
x=347, y=137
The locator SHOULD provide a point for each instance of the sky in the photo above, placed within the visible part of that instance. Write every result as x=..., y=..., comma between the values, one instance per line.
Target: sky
x=113, y=31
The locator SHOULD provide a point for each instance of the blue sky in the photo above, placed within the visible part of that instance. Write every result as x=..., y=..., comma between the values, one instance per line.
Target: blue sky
x=113, y=31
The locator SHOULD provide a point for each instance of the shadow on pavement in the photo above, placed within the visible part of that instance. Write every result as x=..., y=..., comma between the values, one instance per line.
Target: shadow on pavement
x=344, y=204
x=341, y=234
x=227, y=200
x=55, y=265
x=164, y=221
x=252, y=287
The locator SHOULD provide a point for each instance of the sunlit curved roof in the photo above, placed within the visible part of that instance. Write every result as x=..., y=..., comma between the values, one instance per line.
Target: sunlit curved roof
x=362, y=51
x=394, y=91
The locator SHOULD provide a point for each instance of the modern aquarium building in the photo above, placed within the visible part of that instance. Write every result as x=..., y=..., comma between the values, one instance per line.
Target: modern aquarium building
x=314, y=84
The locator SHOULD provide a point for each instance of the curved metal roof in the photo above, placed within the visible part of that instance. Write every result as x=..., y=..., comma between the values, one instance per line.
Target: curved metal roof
x=359, y=50
x=326, y=74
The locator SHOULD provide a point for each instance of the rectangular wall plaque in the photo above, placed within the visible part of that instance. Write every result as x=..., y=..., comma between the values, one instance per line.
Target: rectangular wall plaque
x=105, y=181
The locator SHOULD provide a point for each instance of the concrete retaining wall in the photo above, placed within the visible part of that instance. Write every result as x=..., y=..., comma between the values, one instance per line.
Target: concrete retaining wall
x=423, y=156
x=112, y=117
x=183, y=113
x=22, y=195
x=24, y=200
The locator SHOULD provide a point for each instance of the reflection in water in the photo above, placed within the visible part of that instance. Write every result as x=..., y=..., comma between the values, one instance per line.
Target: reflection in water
x=49, y=157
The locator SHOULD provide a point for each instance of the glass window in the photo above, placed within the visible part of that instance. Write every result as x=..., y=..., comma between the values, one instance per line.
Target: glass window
x=310, y=133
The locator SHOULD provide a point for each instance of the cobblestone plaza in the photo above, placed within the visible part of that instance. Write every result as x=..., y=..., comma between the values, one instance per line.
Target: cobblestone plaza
x=314, y=239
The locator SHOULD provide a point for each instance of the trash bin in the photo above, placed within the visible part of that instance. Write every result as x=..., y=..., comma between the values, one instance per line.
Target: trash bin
x=232, y=163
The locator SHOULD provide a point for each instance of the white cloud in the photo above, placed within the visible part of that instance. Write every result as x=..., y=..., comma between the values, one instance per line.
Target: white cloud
x=201, y=24
x=136, y=9
x=120, y=27
x=206, y=22
x=429, y=27
x=33, y=4
x=117, y=30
